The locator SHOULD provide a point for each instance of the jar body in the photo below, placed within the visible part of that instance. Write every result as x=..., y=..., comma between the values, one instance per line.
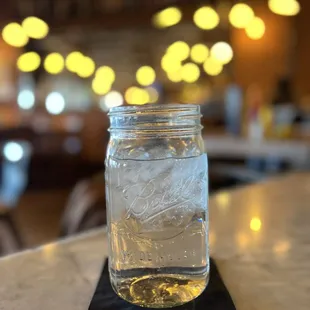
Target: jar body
x=157, y=190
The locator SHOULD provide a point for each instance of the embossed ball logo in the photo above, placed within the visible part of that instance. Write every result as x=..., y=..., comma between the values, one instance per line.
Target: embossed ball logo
x=160, y=209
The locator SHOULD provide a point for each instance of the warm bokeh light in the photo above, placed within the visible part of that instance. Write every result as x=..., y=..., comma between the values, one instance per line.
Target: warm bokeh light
x=222, y=52
x=105, y=73
x=101, y=87
x=55, y=103
x=26, y=99
x=241, y=15
x=28, y=62
x=212, y=67
x=190, y=73
x=13, y=34
x=86, y=67
x=170, y=63
x=153, y=94
x=136, y=96
x=179, y=50
x=167, y=17
x=54, y=63
x=175, y=76
x=206, y=18
x=145, y=75
x=73, y=60
x=255, y=29
x=35, y=27
x=281, y=248
x=255, y=224
x=199, y=53
x=223, y=200
x=111, y=100
x=284, y=7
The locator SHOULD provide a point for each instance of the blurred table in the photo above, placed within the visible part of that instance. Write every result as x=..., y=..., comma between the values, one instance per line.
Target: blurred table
x=259, y=237
x=296, y=152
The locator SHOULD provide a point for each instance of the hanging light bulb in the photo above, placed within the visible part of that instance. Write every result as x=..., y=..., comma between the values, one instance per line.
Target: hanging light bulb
x=284, y=7
x=256, y=29
x=167, y=17
x=206, y=18
x=241, y=15
x=222, y=52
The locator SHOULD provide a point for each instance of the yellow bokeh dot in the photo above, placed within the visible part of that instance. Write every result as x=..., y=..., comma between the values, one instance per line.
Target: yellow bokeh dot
x=179, y=50
x=255, y=224
x=73, y=61
x=136, y=96
x=167, y=17
x=256, y=29
x=190, y=73
x=199, y=53
x=14, y=35
x=35, y=27
x=241, y=15
x=284, y=7
x=212, y=67
x=222, y=52
x=145, y=75
x=170, y=63
x=175, y=76
x=100, y=88
x=86, y=67
x=28, y=62
x=105, y=73
x=54, y=63
x=206, y=18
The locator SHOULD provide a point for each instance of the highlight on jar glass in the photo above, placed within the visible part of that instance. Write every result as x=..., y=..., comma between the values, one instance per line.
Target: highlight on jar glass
x=157, y=204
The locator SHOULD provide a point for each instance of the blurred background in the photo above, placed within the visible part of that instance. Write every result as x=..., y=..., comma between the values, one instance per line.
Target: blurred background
x=65, y=63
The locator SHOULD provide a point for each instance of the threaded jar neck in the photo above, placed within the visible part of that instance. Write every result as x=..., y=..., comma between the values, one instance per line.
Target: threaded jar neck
x=149, y=120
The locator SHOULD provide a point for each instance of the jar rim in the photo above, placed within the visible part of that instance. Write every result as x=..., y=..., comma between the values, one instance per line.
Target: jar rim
x=155, y=108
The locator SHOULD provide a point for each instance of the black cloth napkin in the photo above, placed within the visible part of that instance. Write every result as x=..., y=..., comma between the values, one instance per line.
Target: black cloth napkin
x=215, y=296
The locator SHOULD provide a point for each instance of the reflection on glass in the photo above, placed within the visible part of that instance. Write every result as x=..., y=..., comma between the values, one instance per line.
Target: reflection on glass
x=255, y=224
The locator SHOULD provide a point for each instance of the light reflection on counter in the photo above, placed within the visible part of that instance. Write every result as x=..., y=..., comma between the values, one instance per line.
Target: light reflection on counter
x=223, y=200
x=281, y=248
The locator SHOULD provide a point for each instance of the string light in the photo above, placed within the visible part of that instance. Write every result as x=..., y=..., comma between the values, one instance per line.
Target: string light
x=105, y=73
x=212, y=67
x=170, y=63
x=35, y=27
x=101, y=88
x=73, y=60
x=145, y=76
x=175, y=76
x=199, y=53
x=28, y=62
x=284, y=7
x=86, y=67
x=54, y=63
x=111, y=100
x=167, y=17
x=179, y=50
x=256, y=29
x=14, y=35
x=222, y=52
x=206, y=18
x=241, y=15
x=136, y=96
x=190, y=73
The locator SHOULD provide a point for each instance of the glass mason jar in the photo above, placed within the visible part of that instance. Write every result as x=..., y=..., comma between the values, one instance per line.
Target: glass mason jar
x=157, y=204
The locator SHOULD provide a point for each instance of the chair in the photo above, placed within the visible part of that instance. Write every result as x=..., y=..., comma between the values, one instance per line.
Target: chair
x=85, y=208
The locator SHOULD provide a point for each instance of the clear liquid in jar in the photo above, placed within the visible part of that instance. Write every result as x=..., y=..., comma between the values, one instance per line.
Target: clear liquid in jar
x=158, y=241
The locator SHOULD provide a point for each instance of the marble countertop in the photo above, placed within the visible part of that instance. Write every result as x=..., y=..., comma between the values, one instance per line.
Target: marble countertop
x=259, y=237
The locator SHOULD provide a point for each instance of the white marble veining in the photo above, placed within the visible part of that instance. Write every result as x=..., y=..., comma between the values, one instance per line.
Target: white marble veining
x=259, y=236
